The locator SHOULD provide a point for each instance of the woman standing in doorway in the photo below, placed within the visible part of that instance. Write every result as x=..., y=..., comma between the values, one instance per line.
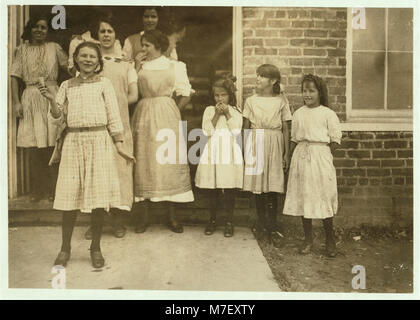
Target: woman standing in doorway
x=37, y=61
x=154, y=178
x=124, y=80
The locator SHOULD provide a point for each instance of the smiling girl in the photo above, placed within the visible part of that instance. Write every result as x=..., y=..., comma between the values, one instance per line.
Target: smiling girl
x=87, y=179
x=312, y=185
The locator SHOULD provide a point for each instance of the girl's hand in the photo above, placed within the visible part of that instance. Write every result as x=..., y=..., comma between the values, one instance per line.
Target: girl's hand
x=224, y=108
x=286, y=163
x=19, y=110
x=46, y=92
x=219, y=109
x=122, y=153
x=141, y=58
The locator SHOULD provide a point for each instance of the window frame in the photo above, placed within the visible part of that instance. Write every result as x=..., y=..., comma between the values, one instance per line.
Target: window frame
x=380, y=119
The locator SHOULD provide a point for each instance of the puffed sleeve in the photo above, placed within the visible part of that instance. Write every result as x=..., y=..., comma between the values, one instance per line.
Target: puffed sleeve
x=62, y=58
x=286, y=115
x=132, y=75
x=62, y=103
x=16, y=69
x=334, y=130
x=115, y=126
x=294, y=130
x=207, y=125
x=182, y=83
x=235, y=121
x=247, y=112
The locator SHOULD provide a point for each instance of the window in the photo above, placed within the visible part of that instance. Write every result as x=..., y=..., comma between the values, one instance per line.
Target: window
x=380, y=65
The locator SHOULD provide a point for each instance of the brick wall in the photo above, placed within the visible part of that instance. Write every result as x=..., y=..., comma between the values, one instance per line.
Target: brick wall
x=374, y=169
x=298, y=41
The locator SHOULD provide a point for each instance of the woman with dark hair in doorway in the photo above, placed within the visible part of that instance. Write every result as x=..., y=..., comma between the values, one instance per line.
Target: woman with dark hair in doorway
x=124, y=80
x=37, y=61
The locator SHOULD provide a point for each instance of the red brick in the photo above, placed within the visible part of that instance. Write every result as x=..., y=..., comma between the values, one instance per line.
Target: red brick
x=362, y=135
x=341, y=99
x=341, y=14
x=358, y=154
x=301, y=42
x=363, y=181
x=345, y=190
x=386, y=135
x=250, y=13
x=269, y=14
x=336, y=90
x=294, y=80
x=371, y=144
x=276, y=42
x=303, y=24
x=408, y=172
x=378, y=172
x=337, y=52
x=409, y=180
x=368, y=163
x=326, y=43
x=392, y=163
x=351, y=181
x=254, y=23
x=314, y=52
x=267, y=33
x=299, y=62
x=280, y=14
x=289, y=52
x=297, y=71
x=405, y=153
x=342, y=44
x=386, y=181
x=396, y=191
x=248, y=33
x=395, y=144
x=366, y=191
x=291, y=33
x=338, y=34
x=409, y=163
x=325, y=61
x=344, y=163
x=342, y=61
x=313, y=33
x=374, y=182
x=383, y=154
x=339, y=154
x=278, y=23
x=253, y=42
x=399, y=180
x=354, y=172
x=406, y=134
x=349, y=144
x=341, y=181
x=265, y=51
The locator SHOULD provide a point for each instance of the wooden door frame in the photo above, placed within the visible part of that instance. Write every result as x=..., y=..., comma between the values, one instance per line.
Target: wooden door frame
x=237, y=52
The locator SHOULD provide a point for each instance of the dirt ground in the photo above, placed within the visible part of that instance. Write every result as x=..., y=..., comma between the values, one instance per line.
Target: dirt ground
x=387, y=257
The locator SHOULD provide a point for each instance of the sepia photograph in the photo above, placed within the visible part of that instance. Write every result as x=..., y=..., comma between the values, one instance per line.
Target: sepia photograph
x=196, y=148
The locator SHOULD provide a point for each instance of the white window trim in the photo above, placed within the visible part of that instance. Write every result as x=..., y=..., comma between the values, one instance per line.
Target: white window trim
x=369, y=120
x=237, y=52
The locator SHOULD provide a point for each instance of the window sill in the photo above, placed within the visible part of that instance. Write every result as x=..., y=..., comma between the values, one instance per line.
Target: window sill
x=377, y=125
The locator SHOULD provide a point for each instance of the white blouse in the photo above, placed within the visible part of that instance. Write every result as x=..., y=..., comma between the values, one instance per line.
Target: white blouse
x=319, y=124
x=182, y=83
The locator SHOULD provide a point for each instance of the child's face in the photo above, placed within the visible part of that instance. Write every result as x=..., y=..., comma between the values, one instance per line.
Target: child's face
x=220, y=95
x=310, y=94
x=264, y=83
x=87, y=59
x=106, y=35
x=149, y=49
x=150, y=19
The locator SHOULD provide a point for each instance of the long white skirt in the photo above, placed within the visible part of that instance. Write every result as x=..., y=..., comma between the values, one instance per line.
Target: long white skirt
x=312, y=185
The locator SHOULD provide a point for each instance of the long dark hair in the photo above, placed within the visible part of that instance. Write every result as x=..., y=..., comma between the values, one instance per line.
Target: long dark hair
x=108, y=18
x=27, y=31
x=320, y=85
x=271, y=72
x=91, y=45
x=227, y=82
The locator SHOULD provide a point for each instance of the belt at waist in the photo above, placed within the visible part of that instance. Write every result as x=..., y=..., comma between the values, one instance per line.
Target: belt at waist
x=47, y=83
x=87, y=129
x=313, y=143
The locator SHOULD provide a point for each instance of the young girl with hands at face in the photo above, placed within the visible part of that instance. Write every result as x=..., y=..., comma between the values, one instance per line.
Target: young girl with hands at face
x=220, y=169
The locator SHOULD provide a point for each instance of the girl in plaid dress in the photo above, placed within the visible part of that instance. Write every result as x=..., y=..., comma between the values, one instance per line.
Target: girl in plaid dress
x=87, y=179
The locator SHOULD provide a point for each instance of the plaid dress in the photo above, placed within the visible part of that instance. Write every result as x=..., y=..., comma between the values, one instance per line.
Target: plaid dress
x=88, y=176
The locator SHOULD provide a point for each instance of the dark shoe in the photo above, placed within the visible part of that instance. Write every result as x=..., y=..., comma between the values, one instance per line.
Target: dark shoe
x=175, y=227
x=228, y=230
x=259, y=230
x=330, y=249
x=305, y=248
x=210, y=228
x=62, y=258
x=141, y=227
x=276, y=239
x=98, y=260
x=88, y=234
x=119, y=231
